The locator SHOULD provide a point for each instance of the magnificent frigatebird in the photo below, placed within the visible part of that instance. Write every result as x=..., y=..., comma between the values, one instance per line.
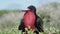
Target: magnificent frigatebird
x=31, y=20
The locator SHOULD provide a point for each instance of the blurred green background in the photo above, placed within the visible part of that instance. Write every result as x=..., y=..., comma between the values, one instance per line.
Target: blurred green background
x=50, y=13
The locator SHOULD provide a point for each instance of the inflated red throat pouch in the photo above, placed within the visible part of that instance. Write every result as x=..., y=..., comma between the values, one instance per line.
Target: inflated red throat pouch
x=29, y=19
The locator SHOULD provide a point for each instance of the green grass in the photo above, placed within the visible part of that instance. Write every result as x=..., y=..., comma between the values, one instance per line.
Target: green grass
x=15, y=30
x=2, y=12
x=9, y=27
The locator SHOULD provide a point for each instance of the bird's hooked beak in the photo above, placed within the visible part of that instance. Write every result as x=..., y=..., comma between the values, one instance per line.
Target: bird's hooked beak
x=25, y=10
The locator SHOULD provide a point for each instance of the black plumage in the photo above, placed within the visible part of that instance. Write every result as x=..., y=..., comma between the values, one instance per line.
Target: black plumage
x=38, y=22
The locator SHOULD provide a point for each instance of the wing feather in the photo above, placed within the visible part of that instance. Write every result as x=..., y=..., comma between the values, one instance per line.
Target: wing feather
x=21, y=26
x=39, y=24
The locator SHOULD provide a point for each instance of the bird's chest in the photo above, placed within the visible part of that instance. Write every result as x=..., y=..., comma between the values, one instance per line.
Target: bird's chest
x=29, y=19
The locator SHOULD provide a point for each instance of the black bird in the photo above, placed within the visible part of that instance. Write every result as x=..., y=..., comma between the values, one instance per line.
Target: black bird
x=38, y=23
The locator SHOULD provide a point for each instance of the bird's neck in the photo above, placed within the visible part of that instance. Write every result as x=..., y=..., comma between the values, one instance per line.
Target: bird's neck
x=30, y=11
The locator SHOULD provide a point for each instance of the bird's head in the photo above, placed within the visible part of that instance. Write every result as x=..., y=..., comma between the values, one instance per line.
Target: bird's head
x=32, y=8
